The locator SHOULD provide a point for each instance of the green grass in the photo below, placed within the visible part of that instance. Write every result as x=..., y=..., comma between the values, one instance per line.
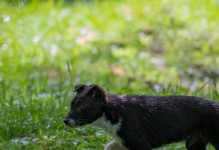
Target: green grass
x=145, y=47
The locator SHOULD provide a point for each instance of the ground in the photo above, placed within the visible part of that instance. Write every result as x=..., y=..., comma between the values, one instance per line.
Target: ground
x=146, y=47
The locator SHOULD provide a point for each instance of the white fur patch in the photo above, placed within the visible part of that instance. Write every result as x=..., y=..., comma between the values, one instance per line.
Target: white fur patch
x=113, y=145
x=109, y=128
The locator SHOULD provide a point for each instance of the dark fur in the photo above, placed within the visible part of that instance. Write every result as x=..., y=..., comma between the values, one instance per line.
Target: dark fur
x=150, y=121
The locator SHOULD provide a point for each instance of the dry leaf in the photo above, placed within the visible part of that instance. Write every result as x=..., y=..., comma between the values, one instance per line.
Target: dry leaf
x=117, y=70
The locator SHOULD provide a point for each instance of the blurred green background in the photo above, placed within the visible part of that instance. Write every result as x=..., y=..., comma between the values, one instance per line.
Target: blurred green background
x=139, y=47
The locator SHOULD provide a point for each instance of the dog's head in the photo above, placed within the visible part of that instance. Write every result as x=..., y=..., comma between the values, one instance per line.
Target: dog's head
x=87, y=106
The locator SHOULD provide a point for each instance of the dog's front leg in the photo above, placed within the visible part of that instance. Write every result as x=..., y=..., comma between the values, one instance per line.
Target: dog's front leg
x=113, y=145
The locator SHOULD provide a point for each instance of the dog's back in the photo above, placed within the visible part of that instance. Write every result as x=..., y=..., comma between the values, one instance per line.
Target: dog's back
x=152, y=121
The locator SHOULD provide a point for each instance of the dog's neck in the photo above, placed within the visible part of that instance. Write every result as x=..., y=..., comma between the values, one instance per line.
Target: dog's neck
x=111, y=98
x=105, y=124
x=108, y=121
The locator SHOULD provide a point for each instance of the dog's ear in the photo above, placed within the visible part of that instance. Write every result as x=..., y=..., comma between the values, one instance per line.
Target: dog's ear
x=79, y=88
x=95, y=91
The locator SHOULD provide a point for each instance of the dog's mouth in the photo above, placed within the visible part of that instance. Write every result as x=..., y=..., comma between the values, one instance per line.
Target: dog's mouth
x=72, y=123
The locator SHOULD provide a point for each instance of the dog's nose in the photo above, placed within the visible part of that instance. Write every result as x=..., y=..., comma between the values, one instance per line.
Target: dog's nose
x=66, y=121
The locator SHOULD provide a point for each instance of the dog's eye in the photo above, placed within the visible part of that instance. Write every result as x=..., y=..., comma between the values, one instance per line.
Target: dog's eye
x=75, y=103
x=80, y=107
x=78, y=103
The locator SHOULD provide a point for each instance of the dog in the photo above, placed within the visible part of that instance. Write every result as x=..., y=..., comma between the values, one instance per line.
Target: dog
x=140, y=122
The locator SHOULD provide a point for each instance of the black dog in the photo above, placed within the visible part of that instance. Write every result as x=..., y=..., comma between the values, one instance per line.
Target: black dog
x=146, y=122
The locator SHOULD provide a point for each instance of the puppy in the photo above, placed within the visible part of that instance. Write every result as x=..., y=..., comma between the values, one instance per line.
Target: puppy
x=140, y=122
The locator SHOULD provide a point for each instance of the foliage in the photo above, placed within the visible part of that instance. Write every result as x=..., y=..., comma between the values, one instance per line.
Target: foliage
x=146, y=47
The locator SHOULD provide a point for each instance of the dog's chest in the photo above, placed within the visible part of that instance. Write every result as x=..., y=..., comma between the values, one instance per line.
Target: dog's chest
x=109, y=128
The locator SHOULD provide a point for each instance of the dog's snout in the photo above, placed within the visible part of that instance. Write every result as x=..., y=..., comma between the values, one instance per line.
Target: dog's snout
x=66, y=120
x=69, y=122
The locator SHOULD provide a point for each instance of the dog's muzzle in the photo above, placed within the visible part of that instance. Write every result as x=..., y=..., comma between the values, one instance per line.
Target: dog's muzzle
x=69, y=122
